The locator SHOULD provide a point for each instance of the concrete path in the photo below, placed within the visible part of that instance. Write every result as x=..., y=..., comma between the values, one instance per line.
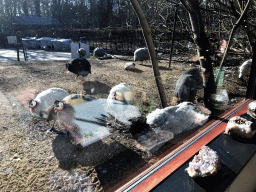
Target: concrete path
x=11, y=55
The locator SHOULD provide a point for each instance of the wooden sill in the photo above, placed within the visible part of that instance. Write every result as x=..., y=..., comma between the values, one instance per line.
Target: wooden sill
x=174, y=158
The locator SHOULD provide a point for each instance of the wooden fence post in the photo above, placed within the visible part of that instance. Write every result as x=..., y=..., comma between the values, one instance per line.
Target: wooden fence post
x=18, y=50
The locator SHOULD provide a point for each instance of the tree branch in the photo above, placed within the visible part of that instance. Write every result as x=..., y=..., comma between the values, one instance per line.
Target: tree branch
x=235, y=27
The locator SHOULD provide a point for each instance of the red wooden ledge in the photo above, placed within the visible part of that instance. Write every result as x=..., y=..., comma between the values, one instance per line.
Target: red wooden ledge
x=159, y=175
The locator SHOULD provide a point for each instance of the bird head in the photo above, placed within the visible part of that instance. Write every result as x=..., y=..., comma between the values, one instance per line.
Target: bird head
x=32, y=104
x=58, y=106
x=81, y=52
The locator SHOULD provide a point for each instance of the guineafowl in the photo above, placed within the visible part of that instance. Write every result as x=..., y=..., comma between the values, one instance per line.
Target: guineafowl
x=80, y=114
x=187, y=85
x=141, y=54
x=81, y=52
x=42, y=105
x=244, y=70
x=79, y=66
x=66, y=116
x=120, y=95
x=120, y=102
x=99, y=52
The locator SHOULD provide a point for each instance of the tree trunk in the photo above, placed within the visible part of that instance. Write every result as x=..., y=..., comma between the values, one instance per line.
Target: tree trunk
x=203, y=49
x=151, y=48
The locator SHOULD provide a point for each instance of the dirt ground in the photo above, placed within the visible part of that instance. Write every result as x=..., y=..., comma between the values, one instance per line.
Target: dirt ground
x=33, y=159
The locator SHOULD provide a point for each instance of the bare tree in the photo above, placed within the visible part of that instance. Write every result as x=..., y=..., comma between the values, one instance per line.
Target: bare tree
x=203, y=48
x=37, y=7
x=25, y=7
x=235, y=27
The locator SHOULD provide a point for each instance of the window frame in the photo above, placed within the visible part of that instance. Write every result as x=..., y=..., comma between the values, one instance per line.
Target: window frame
x=177, y=155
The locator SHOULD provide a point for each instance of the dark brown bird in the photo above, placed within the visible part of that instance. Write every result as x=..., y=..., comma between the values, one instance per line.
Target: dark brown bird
x=66, y=116
x=81, y=52
x=79, y=66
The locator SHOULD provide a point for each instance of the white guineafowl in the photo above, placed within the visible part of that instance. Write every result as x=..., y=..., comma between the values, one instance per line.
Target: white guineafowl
x=42, y=105
x=120, y=102
x=141, y=54
x=244, y=70
x=81, y=52
x=99, y=52
x=120, y=96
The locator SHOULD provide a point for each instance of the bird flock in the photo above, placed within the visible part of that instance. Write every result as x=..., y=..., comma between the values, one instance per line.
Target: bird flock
x=50, y=106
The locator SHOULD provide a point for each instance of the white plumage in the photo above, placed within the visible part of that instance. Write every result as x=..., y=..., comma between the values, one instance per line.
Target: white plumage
x=120, y=103
x=129, y=66
x=244, y=70
x=44, y=102
x=120, y=96
x=177, y=118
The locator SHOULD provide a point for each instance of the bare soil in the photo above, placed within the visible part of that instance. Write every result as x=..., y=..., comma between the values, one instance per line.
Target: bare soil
x=33, y=159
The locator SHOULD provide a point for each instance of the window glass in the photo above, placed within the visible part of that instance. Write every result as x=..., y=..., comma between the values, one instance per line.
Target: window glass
x=95, y=123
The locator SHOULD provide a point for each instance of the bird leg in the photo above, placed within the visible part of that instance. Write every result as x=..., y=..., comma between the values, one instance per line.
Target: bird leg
x=57, y=132
x=53, y=130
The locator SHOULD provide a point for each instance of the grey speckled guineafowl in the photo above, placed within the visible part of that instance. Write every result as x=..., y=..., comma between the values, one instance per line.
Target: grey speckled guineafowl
x=187, y=85
x=141, y=54
x=99, y=52
x=79, y=66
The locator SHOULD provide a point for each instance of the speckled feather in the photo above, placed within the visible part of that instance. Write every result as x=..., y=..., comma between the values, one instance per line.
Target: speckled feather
x=141, y=54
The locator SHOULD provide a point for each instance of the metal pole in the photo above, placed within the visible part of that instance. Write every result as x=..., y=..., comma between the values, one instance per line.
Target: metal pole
x=173, y=32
